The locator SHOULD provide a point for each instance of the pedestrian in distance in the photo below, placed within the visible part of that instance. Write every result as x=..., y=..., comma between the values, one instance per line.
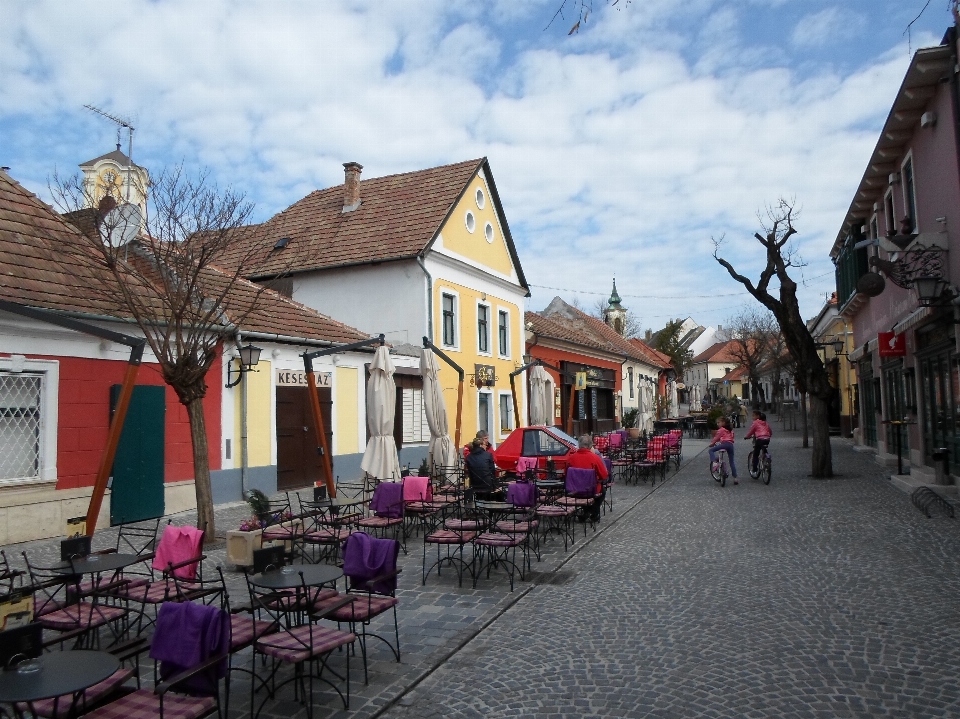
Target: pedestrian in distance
x=723, y=439
x=761, y=433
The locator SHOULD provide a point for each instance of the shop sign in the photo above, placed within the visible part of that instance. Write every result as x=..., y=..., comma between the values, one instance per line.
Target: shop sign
x=892, y=345
x=581, y=381
x=485, y=375
x=295, y=378
x=557, y=403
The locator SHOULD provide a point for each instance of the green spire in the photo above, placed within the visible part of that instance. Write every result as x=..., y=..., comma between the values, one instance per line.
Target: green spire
x=614, y=297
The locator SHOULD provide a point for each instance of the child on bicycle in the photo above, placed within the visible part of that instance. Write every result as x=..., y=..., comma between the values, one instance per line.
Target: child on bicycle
x=723, y=439
x=761, y=433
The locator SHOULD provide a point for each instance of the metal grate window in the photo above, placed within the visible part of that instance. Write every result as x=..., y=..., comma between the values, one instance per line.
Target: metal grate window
x=20, y=397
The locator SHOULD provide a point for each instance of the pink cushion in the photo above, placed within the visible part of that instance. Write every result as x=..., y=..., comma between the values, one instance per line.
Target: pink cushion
x=449, y=536
x=500, y=539
x=81, y=616
x=243, y=629
x=144, y=704
x=303, y=642
x=380, y=521
x=417, y=489
x=364, y=607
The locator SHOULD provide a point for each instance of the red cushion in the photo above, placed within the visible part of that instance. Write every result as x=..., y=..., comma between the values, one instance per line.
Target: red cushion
x=303, y=642
x=144, y=704
x=81, y=616
x=363, y=607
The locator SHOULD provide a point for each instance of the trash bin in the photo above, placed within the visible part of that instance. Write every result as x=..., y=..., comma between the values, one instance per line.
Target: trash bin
x=941, y=465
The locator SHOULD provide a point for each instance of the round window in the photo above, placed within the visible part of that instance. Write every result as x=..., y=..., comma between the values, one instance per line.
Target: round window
x=481, y=200
x=470, y=221
x=488, y=232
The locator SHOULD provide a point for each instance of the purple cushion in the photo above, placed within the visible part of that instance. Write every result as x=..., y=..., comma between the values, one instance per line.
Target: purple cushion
x=581, y=482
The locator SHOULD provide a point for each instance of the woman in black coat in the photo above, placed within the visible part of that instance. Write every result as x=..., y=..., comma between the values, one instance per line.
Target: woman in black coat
x=482, y=471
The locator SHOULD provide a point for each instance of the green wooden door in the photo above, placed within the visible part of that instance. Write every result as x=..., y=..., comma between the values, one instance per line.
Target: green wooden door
x=137, y=489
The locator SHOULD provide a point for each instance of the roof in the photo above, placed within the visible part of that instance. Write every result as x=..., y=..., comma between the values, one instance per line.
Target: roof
x=927, y=68
x=399, y=217
x=565, y=322
x=719, y=352
x=737, y=374
x=116, y=155
x=656, y=357
x=47, y=264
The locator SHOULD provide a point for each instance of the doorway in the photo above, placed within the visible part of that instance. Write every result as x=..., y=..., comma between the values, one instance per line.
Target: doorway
x=299, y=464
x=137, y=488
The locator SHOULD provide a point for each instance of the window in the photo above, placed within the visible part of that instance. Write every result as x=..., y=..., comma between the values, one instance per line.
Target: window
x=909, y=194
x=506, y=413
x=481, y=200
x=488, y=232
x=483, y=412
x=874, y=231
x=415, y=427
x=470, y=221
x=483, y=328
x=503, y=332
x=28, y=419
x=449, y=320
x=537, y=443
x=630, y=377
x=888, y=216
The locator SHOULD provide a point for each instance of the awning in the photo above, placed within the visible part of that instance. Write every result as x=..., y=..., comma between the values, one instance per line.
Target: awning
x=915, y=318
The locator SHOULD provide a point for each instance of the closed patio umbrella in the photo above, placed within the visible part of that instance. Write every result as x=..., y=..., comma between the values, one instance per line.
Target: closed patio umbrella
x=442, y=453
x=541, y=397
x=380, y=458
x=674, y=408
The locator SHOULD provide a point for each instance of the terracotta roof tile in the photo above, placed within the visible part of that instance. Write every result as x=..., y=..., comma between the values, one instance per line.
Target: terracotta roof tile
x=719, y=352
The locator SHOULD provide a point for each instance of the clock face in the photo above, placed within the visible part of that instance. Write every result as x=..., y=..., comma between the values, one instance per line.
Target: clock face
x=108, y=183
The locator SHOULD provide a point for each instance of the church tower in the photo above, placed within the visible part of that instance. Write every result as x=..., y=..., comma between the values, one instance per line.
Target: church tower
x=615, y=315
x=113, y=175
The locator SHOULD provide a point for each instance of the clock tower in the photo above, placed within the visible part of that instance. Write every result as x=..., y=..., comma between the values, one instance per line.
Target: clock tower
x=113, y=175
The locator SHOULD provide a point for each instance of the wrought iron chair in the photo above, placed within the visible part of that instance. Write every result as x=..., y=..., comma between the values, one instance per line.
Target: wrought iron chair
x=453, y=534
x=387, y=512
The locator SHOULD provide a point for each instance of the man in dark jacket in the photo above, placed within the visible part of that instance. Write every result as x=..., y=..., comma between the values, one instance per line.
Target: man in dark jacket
x=482, y=471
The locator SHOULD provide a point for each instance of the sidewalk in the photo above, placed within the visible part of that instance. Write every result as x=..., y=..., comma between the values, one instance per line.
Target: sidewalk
x=435, y=620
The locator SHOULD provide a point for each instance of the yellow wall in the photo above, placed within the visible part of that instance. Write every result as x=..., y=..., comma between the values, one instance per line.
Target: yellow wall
x=345, y=404
x=474, y=245
x=467, y=356
x=258, y=387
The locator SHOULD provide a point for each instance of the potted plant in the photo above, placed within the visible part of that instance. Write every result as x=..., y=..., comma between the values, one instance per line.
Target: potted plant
x=242, y=541
x=631, y=419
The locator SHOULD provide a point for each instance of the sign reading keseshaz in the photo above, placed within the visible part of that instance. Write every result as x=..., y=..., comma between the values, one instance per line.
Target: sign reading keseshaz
x=294, y=378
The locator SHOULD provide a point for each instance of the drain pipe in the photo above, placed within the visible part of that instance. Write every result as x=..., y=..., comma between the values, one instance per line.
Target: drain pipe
x=429, y=297
x=243, y=430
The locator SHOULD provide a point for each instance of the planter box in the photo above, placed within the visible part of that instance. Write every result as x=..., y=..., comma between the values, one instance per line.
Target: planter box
x=241, y=545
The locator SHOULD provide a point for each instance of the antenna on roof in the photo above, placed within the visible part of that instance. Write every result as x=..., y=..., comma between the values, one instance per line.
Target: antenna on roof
x=121, y=122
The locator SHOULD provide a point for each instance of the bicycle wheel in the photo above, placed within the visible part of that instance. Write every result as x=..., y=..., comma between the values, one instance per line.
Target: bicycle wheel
x=723, y=474
x=753, y=474
x=715, y=473
x=767, y=469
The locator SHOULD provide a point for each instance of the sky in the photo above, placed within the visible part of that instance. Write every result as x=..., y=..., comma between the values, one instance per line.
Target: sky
x=622, y=150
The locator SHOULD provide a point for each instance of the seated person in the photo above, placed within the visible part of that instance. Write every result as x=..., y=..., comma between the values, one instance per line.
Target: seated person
x=482, y=471
x=483, y=437
x=586, y=458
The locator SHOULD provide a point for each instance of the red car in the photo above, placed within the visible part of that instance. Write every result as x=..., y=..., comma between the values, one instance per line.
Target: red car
x=543, y=443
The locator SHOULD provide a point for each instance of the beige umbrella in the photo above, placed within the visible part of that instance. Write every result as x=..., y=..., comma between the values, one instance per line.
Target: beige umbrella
x=442, y=453
x=380, y=458
x=674, y=409
x=541, y=397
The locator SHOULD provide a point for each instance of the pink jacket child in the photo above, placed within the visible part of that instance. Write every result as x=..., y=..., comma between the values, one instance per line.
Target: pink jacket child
x=723, y=439
x=759, y=429
x=723, y=434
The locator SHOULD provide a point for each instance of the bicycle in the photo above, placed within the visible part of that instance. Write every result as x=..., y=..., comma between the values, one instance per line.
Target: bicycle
x=764, y=466
x=722, y=469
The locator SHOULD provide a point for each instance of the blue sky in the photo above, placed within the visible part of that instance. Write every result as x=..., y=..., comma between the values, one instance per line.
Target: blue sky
x=620, y=150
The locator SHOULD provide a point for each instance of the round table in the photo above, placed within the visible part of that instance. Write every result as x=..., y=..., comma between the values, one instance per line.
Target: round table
x=61, y=673
x=95, y=563
x=313, y=575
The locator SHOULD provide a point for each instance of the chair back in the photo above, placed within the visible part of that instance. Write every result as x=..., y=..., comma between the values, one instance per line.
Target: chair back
x=138, y=537
x=366, y=557
x=74, y=547
x=178, y=545
x=526, y=463
x=268, y=558
x=522, y=494
x=655, y=449
x=20, y=643
x=581, y=482
x=417, y=489
x=187, y=635
x=388, y=500
x=616, y=440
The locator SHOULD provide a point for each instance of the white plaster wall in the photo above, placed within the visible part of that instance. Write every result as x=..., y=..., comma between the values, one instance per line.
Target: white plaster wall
x=389, y=298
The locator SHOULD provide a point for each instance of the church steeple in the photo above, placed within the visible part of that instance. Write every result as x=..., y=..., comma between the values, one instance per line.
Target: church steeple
x=615, y=314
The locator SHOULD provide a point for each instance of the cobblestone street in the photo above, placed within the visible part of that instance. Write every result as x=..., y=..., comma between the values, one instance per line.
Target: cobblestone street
x=803, y=598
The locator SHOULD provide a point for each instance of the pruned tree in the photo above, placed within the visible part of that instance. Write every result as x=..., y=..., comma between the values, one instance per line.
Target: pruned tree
x=166, y=279
x=668, y=341
x=811, y=376
x=753, y=333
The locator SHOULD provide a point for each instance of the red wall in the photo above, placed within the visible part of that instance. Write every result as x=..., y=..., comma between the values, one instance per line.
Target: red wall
x=555, y=357
x=84, y=419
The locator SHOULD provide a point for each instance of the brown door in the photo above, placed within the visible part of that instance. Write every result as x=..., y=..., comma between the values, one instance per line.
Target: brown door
x=298, y=462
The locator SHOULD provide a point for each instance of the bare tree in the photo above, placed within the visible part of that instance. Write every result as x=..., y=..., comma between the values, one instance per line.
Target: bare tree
x=811, y=376
x=631, y=323
x=580, y=10
x=164, y=264
x=753, y=334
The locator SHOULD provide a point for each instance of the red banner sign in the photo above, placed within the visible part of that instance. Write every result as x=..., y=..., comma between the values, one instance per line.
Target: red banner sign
x=892, y=345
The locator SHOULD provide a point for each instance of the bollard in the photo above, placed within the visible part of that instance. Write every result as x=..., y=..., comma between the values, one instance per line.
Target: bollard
x=941, y=465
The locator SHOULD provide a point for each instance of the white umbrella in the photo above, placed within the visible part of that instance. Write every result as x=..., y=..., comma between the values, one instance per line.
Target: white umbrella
x=380, y=458
x=442, y=453
x=674, y=408
x=541, y=397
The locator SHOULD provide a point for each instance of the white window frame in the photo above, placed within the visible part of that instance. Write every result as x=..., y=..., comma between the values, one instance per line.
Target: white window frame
x=501, y=396
x=49, y=414
x=489, y=351
x=908, y=160
x=508, y=353
x=456, y=319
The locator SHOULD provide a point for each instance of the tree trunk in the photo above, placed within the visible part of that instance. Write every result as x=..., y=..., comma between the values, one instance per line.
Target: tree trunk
x=822, y=464
x=201, y=469
x=803, y=419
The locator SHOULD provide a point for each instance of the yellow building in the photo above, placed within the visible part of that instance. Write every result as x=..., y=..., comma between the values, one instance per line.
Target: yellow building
x=831, y=332
x=420, y=254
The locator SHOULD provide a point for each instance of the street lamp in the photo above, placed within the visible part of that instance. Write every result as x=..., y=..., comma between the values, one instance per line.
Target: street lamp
x=249, y=358
x=929, y=289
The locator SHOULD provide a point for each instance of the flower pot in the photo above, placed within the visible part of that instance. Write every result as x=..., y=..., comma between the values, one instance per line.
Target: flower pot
x=633, y=432
x=241, y=545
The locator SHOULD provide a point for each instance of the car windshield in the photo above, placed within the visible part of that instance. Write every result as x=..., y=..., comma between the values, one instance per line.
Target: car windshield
x=564, y=436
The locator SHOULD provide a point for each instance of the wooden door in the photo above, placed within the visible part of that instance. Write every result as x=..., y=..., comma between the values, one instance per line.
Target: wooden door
x=299, y=464
x=137, y=488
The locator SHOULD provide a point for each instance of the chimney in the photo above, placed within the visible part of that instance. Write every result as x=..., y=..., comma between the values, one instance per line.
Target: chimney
x=351, y=186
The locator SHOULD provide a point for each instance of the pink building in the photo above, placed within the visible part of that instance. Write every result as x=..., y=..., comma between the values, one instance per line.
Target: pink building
x=897, y=280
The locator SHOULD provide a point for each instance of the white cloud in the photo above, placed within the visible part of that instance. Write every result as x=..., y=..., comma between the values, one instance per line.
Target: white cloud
x=830, y=24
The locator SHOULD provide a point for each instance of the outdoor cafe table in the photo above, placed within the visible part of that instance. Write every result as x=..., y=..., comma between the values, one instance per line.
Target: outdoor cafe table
x=96, y=563
x=314, y=575
x=329, y=510
x=59, y=674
